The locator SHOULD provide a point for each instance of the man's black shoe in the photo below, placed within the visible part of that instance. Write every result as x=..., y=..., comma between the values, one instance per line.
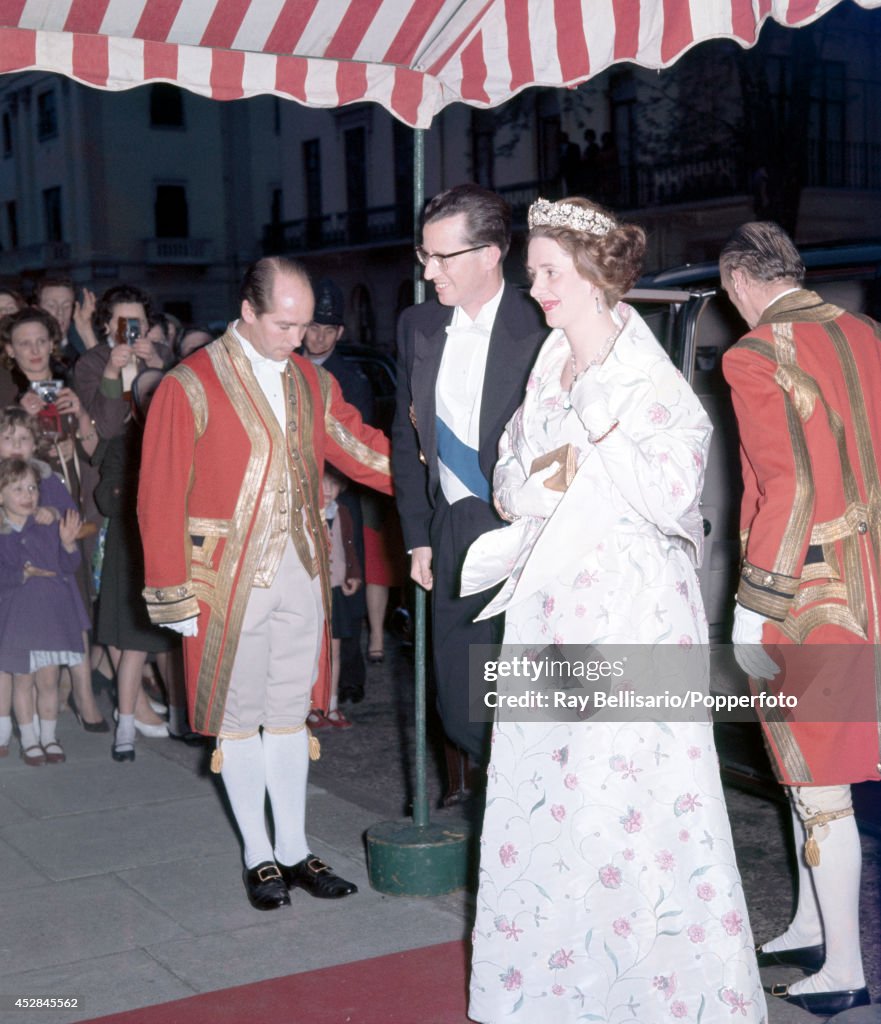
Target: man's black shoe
x=825, y=1004
x=317, y=879
x=808, y=958
x=265, y=887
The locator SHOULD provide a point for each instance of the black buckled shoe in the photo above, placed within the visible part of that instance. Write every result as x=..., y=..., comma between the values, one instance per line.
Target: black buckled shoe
x=825, y=1004
x=265, y=887
x=808, y=958
x=317, y=879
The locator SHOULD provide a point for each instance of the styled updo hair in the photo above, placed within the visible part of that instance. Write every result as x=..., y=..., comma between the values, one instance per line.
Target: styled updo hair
x=611, y=260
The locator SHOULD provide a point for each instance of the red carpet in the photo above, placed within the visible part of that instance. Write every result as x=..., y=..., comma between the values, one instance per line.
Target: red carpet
x=421, y=986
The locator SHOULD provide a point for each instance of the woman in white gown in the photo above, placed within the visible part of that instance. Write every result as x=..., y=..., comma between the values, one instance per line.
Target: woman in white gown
x=608, y=884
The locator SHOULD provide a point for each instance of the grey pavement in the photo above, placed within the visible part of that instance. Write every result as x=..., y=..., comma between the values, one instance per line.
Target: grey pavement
x=121, y=883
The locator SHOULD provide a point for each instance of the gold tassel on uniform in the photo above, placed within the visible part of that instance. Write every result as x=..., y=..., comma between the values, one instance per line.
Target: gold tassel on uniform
x=217, y=758
x=314, y=746
x=812, y=847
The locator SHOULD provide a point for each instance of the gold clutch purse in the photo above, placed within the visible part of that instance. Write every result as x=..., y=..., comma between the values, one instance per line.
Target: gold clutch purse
x=565, y=455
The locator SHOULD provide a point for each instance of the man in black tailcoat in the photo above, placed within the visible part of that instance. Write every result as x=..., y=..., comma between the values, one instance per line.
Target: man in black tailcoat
x=463, y=361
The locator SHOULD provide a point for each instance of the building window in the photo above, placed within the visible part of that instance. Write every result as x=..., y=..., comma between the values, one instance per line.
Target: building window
x=312, y=179
x=12, y=224
x=402, y=140
x=171, y=212
x=54, y=228
x=355, y=143
x=7, y=134
x=47, y=116
x=166, y=106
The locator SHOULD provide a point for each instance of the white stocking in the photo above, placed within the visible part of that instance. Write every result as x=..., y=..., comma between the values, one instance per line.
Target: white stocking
x=245, y=781
x=837, y=885
x=806, y=928
x=287, y=769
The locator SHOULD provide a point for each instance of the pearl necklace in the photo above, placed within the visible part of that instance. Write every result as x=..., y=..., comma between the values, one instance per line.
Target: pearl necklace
x=600, y=357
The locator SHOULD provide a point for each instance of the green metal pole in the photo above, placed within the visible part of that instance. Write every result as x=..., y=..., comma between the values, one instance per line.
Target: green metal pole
x=420, y=798
x=417, y=858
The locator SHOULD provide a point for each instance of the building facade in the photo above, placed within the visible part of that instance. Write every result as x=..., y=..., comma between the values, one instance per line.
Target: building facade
x=177, y=193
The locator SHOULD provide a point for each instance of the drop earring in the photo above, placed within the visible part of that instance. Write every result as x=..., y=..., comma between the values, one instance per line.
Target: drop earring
x=596, y=299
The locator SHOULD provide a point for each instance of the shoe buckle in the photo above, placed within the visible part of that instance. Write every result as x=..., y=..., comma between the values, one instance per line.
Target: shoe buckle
x=315, y=865
x=268, y=873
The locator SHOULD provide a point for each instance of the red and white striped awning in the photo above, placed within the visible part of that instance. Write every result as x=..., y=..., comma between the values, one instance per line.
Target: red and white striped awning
x=412, y=56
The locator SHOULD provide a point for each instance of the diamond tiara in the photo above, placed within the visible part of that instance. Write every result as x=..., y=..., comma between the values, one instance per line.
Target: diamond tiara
x=566, y=215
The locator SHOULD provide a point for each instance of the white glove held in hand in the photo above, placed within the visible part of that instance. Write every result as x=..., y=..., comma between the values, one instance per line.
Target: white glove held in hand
x=533, y=498
x=187, y=627
x=747, y=639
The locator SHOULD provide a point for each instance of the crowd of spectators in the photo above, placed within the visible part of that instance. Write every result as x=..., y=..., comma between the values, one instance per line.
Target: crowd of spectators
x=76, y=376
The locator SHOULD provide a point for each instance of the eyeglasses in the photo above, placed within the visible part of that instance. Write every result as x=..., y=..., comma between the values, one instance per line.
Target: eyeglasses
x=441, y=257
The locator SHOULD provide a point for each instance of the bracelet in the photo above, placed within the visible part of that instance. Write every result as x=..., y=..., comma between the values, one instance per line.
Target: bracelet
x=87, y=437
x=602, y=437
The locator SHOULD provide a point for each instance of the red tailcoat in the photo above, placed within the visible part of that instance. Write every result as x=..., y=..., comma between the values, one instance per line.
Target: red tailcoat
x=216, y=481
x=805, y=385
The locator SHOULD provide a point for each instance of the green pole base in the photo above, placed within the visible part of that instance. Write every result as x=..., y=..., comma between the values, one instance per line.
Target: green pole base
x=404, y=859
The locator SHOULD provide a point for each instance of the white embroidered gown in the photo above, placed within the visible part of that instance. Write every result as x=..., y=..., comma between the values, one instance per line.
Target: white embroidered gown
x=608, y=884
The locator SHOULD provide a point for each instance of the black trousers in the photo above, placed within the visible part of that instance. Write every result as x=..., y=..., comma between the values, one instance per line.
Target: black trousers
x=453, y=529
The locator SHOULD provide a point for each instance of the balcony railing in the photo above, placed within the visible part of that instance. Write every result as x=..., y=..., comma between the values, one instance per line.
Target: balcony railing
x=374, y=226
x=634, y=186
x=178, y=251
x=41, y=256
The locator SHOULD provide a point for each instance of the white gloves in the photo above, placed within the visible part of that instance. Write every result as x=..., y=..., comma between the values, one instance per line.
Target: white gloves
x=186, y=627
x=747, y=639
x=533, y=498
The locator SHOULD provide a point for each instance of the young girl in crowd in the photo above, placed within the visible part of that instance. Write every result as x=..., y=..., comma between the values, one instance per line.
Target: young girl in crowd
x=19, y=435
x=345, y=578
x=42, y=617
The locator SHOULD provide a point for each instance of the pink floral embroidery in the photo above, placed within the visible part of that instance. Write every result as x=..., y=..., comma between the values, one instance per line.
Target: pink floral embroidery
x=561, y=755
x=580, y=611
x=686, y=802
x=610, y=876
x=508, y=854
x=561, y=959
x=698, y=459
x=586, y=578
x=678, y=1008
x=508, y=928
x=682, y=588
x=665, y=860
x=732, y=922
x=512, y=979
x=628, y=854
x=664, y=984
x=632, y=821
x=684, y=835
x=619, y=763
x=736, y=1000
x=694, y=753
x=571, y=781
x=621, y=927
x=558, y=812
x=558, y=990
x=559, y=639
x=547, y=606
x=676, y=489
x=696, y=933
x=686, y=641
x=706, y=892
x=658, y=414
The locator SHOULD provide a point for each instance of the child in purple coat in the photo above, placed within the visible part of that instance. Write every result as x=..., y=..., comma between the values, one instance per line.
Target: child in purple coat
x=41, y=617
